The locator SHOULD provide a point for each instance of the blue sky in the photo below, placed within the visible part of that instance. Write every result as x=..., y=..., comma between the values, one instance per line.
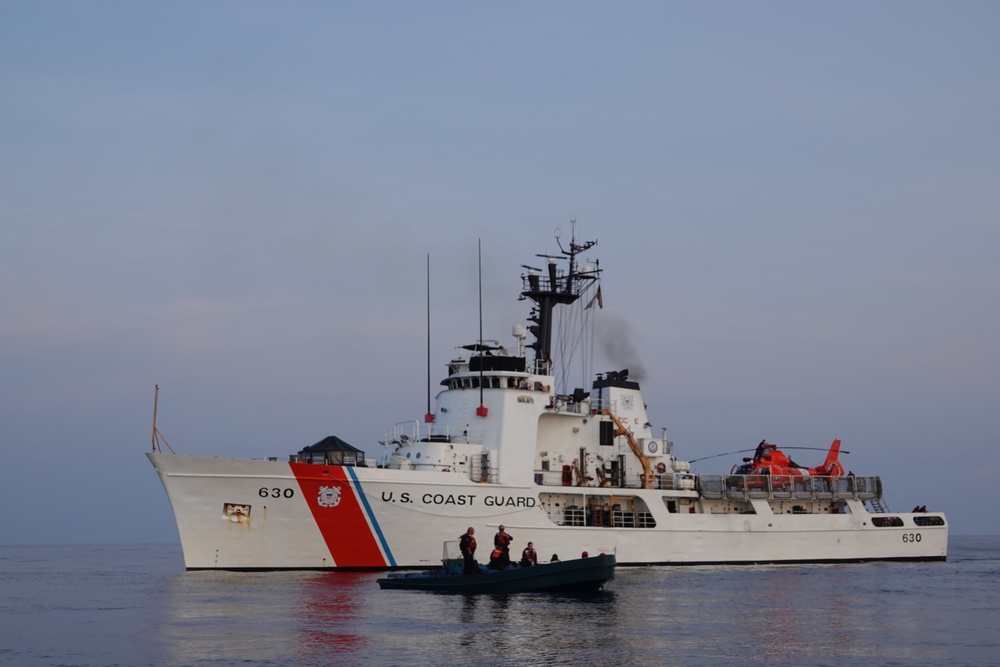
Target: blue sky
x=796, y=206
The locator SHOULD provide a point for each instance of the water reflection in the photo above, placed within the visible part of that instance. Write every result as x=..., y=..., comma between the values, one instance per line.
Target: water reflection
x=126, y=607
x=467, y=617
x=528, y=628
x=225, y=616
x=331, y=605
x=532, y=628
x=699, y=615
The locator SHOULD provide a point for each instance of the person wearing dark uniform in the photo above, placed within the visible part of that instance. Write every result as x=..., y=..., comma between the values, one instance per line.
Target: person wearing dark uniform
x=502, y=542
x=498, y=561
x=467, y=543
x=760, y=451
x=528, y=556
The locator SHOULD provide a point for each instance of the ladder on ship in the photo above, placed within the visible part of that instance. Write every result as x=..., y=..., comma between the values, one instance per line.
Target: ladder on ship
x=879, y=506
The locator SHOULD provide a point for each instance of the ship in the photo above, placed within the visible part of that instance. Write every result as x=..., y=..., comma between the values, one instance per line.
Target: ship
x=508, y=440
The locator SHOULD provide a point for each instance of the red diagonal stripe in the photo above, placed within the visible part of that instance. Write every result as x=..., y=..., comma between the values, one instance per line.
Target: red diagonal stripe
x=344, y=527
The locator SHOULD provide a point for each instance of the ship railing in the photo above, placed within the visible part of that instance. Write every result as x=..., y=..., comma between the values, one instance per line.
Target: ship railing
x=590, y=405
x=668, y=481
x=632, y=519
x=567, y=404
x=541, y=282
x=598, y=405
x=558, y=478
x=575, y=516
x=403, y=432
x=407, y=432
x=672, y=481
x=549, y=478
x=601, y=516
x=624, y=519
x=778, y=487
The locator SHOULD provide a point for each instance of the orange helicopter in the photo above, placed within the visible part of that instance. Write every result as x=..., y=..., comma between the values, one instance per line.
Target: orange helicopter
x=770, y=462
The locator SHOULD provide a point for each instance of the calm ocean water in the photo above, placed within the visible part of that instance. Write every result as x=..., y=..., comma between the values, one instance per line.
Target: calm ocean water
x=134, y=605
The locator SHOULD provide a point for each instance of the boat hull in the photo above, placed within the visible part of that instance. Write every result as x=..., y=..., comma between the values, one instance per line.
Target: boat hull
x=266, y=515
x=581, y=575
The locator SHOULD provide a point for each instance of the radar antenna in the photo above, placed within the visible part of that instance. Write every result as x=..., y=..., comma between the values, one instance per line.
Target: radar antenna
x=552, y=287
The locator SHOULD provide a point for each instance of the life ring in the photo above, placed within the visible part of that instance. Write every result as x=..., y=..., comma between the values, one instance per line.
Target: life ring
x=445, y=469
x=661, y=467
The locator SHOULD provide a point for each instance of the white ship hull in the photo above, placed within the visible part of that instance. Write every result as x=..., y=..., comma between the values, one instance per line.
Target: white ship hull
x=384, y=519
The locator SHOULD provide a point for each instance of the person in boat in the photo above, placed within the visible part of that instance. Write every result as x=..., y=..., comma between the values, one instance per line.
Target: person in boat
x=467, y=544
x=528, y=557
x=498, y=560
x=502, y=542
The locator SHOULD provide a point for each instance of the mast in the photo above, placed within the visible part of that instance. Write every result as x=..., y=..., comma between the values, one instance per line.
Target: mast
x=551, y=288
x=429, y=416
x=482, y=410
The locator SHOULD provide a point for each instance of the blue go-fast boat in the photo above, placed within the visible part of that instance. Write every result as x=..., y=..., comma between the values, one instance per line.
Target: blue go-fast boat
x=580, y=575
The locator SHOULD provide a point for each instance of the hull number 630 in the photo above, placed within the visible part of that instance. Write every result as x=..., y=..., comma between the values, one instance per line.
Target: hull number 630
x=911, y=537
x=288, y=493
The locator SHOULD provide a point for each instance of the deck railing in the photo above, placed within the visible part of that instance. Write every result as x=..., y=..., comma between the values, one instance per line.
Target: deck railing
x=740, y=487
x=604, y=517
x=746, y=487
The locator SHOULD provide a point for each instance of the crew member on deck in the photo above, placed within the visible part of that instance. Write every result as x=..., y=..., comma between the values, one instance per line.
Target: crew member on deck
x=528, y=557
x=760, y=451
x=467, y=543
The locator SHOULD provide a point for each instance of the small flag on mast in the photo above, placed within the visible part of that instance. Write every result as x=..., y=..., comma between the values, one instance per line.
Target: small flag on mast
x=598, y=298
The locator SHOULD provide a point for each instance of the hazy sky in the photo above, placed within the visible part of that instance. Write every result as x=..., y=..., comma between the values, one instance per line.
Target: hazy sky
x=796, y=206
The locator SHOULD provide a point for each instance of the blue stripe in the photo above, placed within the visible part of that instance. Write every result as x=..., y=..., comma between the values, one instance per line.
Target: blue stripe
x=371, y=516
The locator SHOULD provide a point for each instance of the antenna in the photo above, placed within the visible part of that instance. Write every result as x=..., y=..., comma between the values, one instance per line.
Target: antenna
x=482, y=410
x=156, y=399
x=551, y=289
x=429, y=417
x=157, y=436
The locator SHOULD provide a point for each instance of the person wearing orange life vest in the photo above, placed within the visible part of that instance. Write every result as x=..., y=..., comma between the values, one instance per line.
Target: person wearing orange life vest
x=528, y=557
x=498, y=560
x=501, y=541
x=467, y=544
